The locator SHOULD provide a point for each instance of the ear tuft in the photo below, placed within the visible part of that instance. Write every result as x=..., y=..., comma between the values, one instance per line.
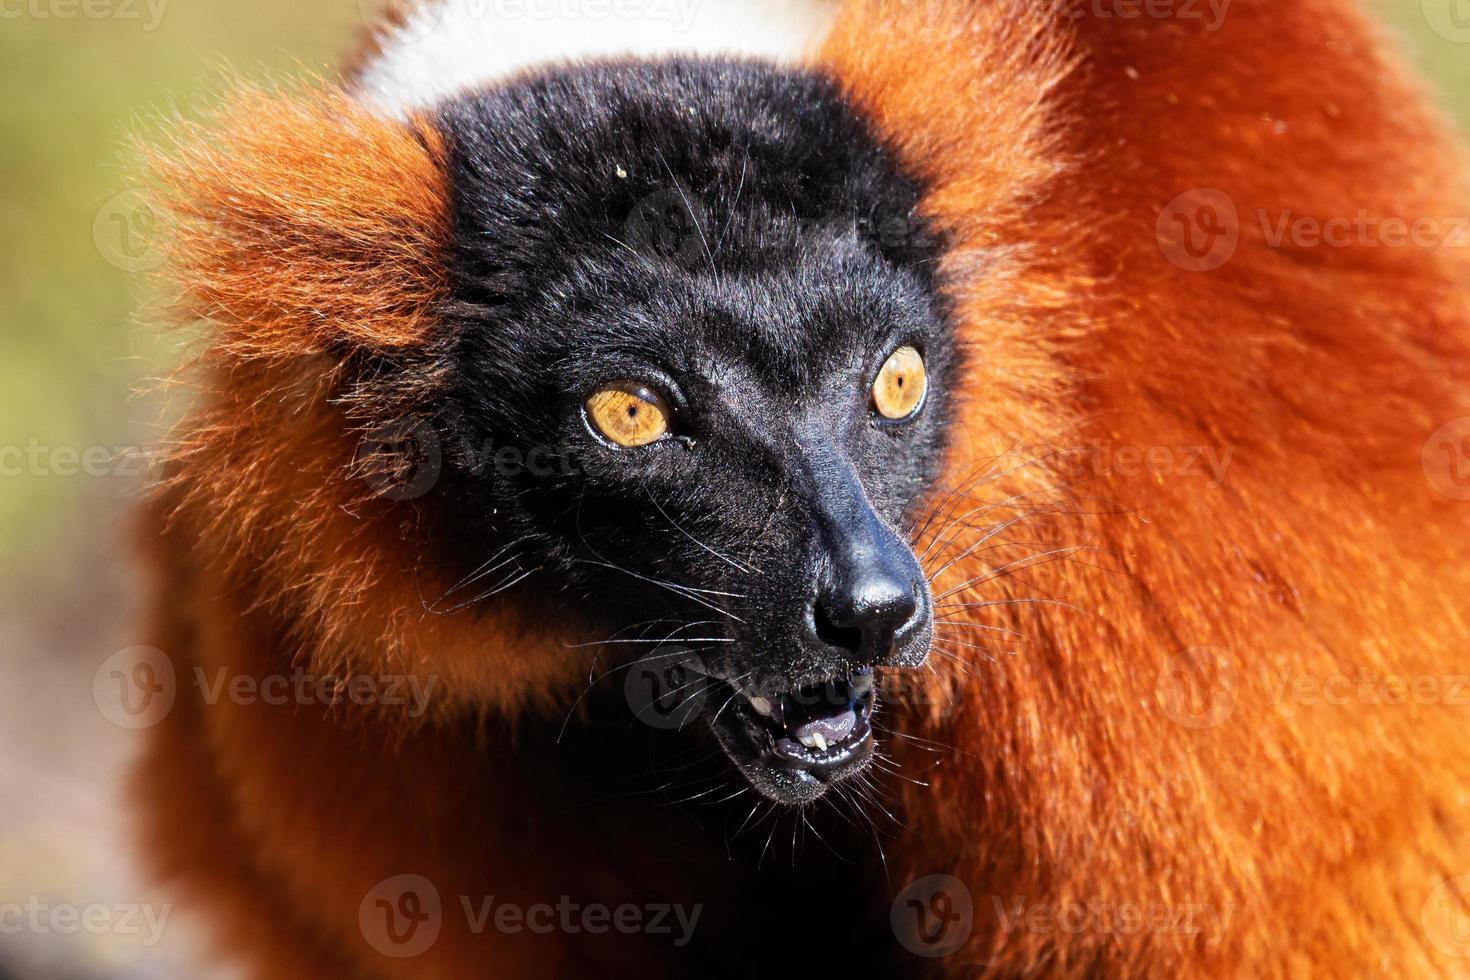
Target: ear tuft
x=304, y=224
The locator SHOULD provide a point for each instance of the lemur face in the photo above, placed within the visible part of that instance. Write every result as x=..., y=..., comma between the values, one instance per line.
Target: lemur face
x=695, y=308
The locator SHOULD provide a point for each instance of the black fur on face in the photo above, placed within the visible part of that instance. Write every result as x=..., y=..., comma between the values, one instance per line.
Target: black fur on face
x=730, y=236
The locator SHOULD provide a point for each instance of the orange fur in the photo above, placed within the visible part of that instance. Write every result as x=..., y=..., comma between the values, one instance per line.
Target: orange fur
x=1325, y=550
x=1051, y=144
x=308, y=239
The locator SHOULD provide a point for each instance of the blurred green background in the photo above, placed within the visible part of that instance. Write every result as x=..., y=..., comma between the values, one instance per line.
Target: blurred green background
x=74, y=87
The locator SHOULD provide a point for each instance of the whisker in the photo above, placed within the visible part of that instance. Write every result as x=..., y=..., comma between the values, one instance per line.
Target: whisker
x=498, y=588
x=734, y=563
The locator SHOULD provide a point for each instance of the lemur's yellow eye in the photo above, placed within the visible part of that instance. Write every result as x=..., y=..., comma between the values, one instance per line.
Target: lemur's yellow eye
x=628, y=414
x=901, y=384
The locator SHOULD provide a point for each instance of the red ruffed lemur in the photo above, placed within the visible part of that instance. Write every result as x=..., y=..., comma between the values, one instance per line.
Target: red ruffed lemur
x=1036, y=552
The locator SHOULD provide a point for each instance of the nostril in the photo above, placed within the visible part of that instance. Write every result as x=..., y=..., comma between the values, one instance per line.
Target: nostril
x=904, y=616
x=869, y=626
x=887, y=620
x=833, y=634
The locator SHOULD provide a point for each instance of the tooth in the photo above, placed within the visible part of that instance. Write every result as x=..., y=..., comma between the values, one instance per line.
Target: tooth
x=821, y=742
x=810, y=741
x=762, y=705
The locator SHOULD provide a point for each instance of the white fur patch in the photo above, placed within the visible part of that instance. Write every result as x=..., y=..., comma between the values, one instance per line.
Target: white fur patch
x=448, y=47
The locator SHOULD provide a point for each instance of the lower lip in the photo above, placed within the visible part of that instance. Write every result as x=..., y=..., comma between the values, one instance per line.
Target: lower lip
x=794, y=755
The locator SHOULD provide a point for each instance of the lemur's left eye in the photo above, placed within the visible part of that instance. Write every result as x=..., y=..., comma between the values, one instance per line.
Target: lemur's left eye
x=628, y=414
x=901, y=385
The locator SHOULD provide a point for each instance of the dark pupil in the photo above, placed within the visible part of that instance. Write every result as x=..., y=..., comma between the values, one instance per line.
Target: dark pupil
x=632, y=411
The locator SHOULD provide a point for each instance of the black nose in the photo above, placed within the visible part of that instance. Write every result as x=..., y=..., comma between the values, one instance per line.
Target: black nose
x=865, y=615
x=871, y=594
x=871, y=603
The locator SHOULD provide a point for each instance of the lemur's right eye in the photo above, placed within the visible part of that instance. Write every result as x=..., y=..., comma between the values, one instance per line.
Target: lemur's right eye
x=628, y=414
x=901, y=385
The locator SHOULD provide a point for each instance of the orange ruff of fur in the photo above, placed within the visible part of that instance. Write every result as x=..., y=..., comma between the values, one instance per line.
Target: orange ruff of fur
x=1270, y=833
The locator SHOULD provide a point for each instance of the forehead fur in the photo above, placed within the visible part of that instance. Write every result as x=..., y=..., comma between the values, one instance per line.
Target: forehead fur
x=758, y=154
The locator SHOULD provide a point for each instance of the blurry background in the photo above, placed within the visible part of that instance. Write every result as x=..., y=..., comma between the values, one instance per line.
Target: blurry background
x=74, y=435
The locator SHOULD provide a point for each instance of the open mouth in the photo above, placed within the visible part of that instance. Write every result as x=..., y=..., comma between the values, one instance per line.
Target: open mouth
x=795, y=743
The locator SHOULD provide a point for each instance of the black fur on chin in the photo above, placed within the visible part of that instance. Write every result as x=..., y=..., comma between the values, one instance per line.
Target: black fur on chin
x=731, y=235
